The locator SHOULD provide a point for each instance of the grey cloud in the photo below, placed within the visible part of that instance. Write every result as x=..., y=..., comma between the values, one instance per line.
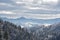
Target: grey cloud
x=23, y=9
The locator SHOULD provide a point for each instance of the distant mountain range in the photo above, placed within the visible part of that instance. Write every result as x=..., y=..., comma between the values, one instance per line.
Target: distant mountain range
x=23, y=20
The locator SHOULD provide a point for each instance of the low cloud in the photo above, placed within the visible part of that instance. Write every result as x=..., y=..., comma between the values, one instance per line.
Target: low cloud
x=6, y=12
x=43, y=16
x=33, y=16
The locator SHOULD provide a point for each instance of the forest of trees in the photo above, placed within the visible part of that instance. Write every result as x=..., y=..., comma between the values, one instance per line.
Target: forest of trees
x=10, y=31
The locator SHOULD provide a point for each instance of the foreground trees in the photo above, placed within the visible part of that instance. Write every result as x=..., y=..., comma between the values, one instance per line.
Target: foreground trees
x=9, y=31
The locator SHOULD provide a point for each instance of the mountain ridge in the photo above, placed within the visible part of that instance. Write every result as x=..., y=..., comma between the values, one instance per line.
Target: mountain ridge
x=23, y=19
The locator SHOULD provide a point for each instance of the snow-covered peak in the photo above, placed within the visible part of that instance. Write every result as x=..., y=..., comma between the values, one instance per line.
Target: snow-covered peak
x=46, y=25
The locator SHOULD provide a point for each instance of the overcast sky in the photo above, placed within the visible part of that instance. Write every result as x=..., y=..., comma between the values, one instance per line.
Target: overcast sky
x=35, y=9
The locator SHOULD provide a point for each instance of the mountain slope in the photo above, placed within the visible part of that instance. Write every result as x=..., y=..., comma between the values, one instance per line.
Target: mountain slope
x=9, y=31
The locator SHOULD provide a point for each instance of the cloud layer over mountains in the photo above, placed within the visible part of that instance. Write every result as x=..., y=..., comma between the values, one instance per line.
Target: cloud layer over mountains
x=35, y=9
